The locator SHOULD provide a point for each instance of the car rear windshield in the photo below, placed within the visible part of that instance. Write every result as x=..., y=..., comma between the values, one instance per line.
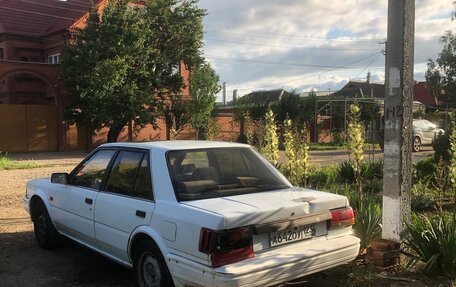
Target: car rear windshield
x=218, y=172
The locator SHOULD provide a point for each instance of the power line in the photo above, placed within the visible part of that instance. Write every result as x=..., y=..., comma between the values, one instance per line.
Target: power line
x=72, y=19
x=175, y=21
x=246, y=60
x=306, y=77
x=296, y=37
x=284, y=46
x=367, y=66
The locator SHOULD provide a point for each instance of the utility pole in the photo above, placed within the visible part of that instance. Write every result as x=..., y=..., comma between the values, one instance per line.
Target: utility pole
x=397, y=170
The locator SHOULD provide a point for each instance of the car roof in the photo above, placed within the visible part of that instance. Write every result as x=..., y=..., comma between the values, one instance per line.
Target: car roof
x=176, y=144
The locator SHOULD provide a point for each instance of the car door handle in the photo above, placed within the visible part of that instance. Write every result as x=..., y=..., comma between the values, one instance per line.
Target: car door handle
x=89, y=201
x=140, y=213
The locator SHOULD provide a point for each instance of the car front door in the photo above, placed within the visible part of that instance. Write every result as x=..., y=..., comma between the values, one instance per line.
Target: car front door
x=125, y=203
x=74, y=202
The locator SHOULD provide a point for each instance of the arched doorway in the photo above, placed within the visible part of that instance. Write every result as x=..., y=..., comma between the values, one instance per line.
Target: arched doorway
x=28, y=116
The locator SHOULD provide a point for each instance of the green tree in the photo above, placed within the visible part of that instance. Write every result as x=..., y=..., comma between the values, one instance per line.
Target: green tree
x=441, y=73
x=121, y=67
x=203, y=87
x=291, y=105
x=176, y=114
x=299, y=109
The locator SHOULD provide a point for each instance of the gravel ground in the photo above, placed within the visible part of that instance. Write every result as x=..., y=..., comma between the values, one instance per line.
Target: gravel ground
x=23, y=263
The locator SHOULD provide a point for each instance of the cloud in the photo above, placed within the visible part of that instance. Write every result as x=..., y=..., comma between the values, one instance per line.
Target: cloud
x=260, y=44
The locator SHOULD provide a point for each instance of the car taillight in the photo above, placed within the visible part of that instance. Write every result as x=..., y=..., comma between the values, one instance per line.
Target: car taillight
x=342, y=217
x=226, y=246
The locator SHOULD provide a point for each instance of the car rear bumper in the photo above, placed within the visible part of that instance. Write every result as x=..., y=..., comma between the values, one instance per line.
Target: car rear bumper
x=268, y=268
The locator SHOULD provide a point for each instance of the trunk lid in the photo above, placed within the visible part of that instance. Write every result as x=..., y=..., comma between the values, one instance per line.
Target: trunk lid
x=264, y=207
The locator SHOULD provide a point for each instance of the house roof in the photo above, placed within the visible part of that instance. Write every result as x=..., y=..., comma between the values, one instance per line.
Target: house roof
x=361, y=89
x=39, y=18
x=266, y=95
x=422, y=93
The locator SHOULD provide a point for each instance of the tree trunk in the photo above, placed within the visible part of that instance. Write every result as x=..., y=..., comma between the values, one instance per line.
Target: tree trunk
x=89, y=142
x=113, y=133
x=168, y=132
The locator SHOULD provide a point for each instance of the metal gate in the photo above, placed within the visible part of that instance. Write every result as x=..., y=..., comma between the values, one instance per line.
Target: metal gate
x=26, y=128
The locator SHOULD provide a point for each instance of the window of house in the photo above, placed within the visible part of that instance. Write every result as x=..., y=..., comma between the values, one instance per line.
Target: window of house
x=54, y=59
x=1, y=53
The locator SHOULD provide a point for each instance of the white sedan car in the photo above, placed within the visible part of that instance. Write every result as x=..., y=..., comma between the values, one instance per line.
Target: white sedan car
x=193, y=213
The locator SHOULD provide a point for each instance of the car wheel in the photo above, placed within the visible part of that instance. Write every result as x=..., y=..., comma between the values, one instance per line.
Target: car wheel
x=45, y=233
x=416, y=144
x=150, y=267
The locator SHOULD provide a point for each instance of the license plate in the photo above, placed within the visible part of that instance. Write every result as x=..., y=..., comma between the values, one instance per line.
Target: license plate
x=291, y=235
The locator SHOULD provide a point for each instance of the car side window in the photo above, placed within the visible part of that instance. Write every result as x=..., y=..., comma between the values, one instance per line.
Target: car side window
x=91, y=173
x=419, y=124
x=130, y=175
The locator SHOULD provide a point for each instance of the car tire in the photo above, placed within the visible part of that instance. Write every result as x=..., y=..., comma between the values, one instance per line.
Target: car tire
x=416, y=144
x=46, y=235
x=149, y=266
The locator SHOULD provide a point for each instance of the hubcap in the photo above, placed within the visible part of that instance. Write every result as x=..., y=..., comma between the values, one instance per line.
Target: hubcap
x=151, y=270
x=42, y=226
x=416, y=144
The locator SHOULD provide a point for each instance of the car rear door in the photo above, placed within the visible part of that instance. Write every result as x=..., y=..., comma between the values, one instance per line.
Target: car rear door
x=74, y=202
x=429, y=131
x=125, y=203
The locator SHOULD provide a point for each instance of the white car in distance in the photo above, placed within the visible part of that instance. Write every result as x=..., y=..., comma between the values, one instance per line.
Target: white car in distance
x=193, y=213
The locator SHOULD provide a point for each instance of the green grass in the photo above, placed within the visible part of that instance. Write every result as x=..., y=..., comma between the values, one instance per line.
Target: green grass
x=326, y=146
x=7, y=163
x=332, y=146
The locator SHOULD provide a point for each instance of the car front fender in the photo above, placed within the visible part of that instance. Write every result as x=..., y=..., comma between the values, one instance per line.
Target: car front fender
x=36, y=192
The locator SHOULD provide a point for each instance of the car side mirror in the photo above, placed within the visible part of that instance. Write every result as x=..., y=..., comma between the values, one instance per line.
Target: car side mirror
x=59, y=177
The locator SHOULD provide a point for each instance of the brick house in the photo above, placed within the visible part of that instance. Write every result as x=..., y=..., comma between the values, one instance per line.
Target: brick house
x=32, y=97
x=423, y=94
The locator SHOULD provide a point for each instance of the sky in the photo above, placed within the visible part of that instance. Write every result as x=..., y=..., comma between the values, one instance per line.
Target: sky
x=311, y=44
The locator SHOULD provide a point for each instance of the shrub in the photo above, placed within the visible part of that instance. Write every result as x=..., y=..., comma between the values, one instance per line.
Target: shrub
x=355, y=141
x=322, y=177
x=297, y=153
x=345, y=172
x=270, y=148
x=373, y=186
x=368, y=221
x=441, y=145
x=433, y=241
x=369, y=171
x=425, y=170
x=368, y=215
x=423, y=197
